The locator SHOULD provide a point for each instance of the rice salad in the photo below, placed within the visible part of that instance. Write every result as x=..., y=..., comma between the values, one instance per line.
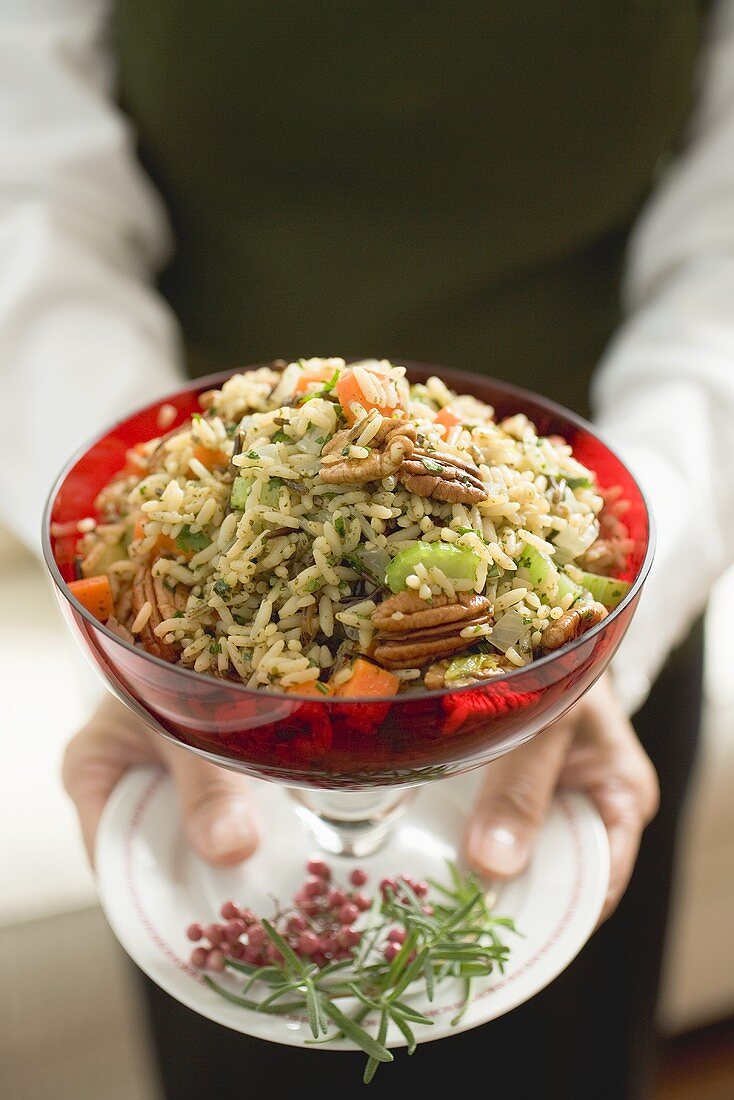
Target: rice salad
x=328, y=529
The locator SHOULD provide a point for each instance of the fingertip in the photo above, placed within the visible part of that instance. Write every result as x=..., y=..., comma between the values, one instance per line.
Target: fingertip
x=496, y=850
x=224, y=837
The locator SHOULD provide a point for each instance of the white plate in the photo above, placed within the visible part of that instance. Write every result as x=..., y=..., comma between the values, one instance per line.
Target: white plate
x=152, y=886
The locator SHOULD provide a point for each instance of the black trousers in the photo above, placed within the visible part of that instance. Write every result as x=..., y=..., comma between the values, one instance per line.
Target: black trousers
x=588, y=1036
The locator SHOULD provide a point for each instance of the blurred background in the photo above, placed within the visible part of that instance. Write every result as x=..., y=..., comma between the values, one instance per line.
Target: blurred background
x=66, y=989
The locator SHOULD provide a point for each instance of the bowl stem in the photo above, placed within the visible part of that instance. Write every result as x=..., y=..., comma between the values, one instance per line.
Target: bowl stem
x=351, y=823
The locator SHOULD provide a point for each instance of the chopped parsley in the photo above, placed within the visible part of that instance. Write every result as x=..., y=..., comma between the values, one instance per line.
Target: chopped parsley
x=221, y=588
x=325, y=389
x=281, y=437
x=432, y=466
x=253, y=455
x=192, y=541
x=340, y=526
x=215, y=648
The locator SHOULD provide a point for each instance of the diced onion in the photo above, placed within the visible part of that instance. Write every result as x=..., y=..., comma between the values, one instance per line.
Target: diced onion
x=570, y=543
x=507, y=630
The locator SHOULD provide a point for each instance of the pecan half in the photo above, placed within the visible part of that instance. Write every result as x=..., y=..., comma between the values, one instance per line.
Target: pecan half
x=392, y=444
x=425, y=632
x=441, y=476
x=164, y=602
x=572, y=624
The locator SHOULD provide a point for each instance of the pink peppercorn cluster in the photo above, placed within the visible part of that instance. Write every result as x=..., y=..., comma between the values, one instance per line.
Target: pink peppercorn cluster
x=319, y=926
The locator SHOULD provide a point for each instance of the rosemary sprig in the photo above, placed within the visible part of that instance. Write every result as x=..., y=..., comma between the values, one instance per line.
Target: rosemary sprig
x=456, y=936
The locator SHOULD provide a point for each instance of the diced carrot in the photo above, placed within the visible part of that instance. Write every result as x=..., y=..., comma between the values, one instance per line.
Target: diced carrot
x=135, y=460
x=447, y=419
x=210, y=458
x=311, y=689
x=307, y=377
x=369, y=681
x=163, y=544
x=348, y=390
x=95, y=594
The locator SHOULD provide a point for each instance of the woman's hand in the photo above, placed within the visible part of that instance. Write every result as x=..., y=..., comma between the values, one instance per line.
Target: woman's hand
x=214, y=804
x=594, y=749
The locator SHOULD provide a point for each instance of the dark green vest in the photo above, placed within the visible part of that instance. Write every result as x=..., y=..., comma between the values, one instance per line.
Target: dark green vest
x=452, y=182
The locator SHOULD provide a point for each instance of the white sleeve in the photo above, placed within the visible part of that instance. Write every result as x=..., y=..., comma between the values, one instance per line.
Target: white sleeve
x=664, y=393
x=83, y=335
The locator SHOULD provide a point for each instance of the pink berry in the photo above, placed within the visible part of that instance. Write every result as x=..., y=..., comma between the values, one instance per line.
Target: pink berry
x=213, y=933
x=328, y=944
x=248, y=916
x=319, y=868
x=253, y=955
x=362, y=902
x=348, y=937
x=273, y=954
x=233, y=929
x=230, y=909
x=336, y=897
x=389, y=885
x=408, y=878
x=308, y=943
x=348, y=913
x=194, y=932
x=397, y=935
x=420, y=888
x=314, y=888
x=391, y=951
x=215, y=961
x=256, y=935
x=237, y=950
x=358, y=877
x=319, y=959
x=199, y=957
x=297, y=923
x=428, y=910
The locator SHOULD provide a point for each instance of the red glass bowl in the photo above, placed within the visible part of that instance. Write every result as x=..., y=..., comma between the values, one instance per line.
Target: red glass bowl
x=357, y=743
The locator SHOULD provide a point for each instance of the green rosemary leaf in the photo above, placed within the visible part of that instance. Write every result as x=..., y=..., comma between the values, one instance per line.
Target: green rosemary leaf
x=372, y=1063
x=467, y=1001
x=403, y=1026
x=410, y=1013
x=246, y=1002
x=411, y=972
x=474, y=970
x=290, y=957
x=429, y=978
x=315, y=1018
x=442, y=889
x=352, y=1030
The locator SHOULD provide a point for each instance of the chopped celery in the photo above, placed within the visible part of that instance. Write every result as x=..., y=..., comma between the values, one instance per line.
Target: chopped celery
x=192, y=541
x=455, y=562
x=241, y=490
x=607, y=590
x=542, y=573
x=475, y=665
x=566, y=586
x=538, y=568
